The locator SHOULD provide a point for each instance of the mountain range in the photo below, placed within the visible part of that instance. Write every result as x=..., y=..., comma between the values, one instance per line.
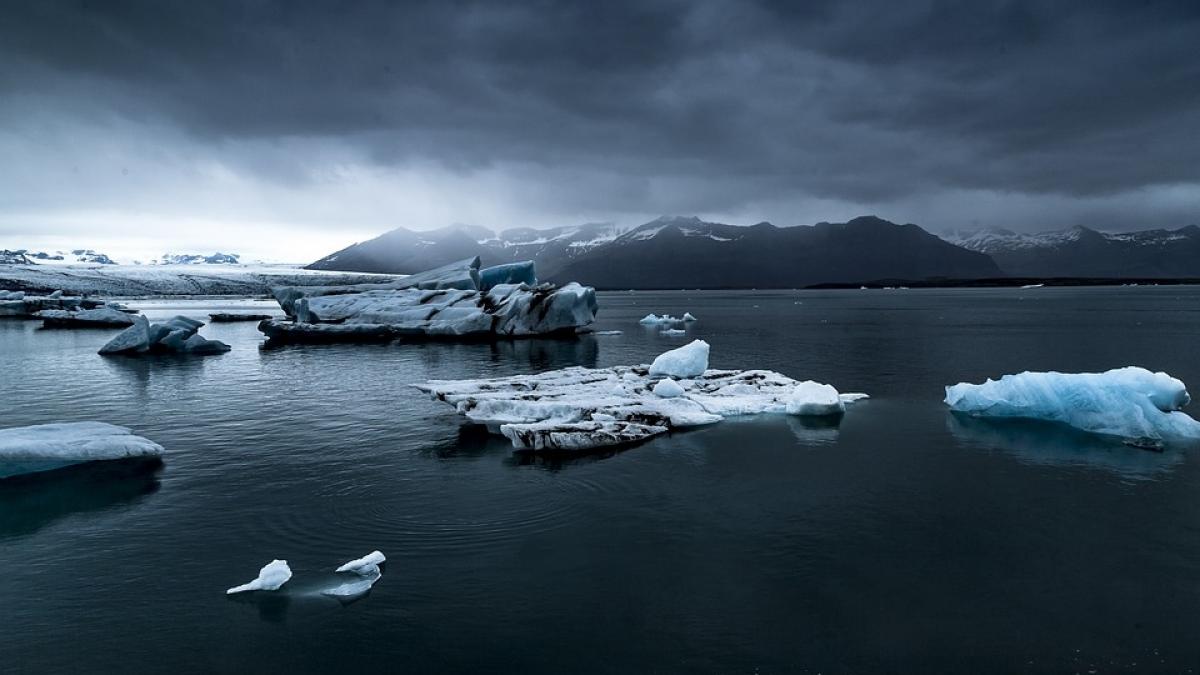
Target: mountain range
x=1084, y=252
x=682, y=252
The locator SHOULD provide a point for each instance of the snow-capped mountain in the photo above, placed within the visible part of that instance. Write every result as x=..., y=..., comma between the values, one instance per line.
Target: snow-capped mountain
x=1084, y=252
x=682, y=252
x=198, y=259
x=74, y=256
x=403, y=251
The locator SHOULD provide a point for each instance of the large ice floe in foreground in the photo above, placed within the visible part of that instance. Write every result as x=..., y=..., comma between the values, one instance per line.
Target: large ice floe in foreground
x=580, y=408
x=177, y=335
x=1134, y=404
x=45, y=447
x=457, y=301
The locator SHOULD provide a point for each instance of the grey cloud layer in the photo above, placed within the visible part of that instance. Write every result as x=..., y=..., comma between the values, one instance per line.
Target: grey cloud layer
x=709, y=106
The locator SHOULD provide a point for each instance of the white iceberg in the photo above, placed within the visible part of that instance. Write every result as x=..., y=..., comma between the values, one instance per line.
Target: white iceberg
x=1131, y=403
x=458, y=301
x=581, y=408
x=655, y=320
x=44, y=447
x=689, y=360
x=814, y=398
x=273, y=575
x=364, y=565
x=176, y=335
x=673, y=332
x=687, y=316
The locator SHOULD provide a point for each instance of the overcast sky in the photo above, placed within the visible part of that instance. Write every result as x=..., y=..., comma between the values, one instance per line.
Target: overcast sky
x=285, y=130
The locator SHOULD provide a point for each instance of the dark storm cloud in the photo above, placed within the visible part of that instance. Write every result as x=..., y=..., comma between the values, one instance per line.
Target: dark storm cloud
x=728, y=103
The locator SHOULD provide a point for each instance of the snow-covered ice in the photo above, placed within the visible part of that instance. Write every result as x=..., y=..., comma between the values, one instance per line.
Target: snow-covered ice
x=689, y=360
x=579, y=408
x=814, y=398
x=176, y=335
x=687, y=316
x=273, y=575
x=673, y=332
x=449, y=302
x=656, y=320
x=1132, y=403
x=44, y=447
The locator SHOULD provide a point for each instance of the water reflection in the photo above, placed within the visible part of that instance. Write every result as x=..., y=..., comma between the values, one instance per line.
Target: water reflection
x=1049, y=444
x=30, y=502
x=815, y=430
x=272, y=606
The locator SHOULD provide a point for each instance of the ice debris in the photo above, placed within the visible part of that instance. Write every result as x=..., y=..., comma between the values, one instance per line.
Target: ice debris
x=44, y=447
x=580, y=408
x=1132, y=403
x=273, y=575
x=101, y=317
x=364, y=565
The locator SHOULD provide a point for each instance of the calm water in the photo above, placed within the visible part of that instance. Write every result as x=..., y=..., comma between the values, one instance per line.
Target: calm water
x=903, y=541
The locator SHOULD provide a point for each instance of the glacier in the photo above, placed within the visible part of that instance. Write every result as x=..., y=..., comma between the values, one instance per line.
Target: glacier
x=1137, y=405
x=177, y=335
x=456, y=301
x=45, y=447
x=271, y=577
x=580, y=408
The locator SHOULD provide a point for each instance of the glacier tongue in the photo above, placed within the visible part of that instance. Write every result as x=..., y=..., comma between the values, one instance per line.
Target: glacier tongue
x=579, y=408
x=1131, y=403
x=456, y=301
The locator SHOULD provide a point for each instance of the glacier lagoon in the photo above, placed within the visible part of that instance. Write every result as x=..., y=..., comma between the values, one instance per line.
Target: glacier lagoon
x=903, y=538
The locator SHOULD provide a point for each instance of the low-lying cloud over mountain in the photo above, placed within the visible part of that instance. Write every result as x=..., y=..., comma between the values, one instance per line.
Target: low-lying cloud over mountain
x=282, y=128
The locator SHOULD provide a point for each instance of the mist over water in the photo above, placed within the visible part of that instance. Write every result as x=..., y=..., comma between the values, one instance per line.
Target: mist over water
x=903, y=539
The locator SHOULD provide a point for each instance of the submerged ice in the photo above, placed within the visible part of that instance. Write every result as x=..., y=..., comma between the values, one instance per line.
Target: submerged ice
x=1131, y=403
x=579, y=408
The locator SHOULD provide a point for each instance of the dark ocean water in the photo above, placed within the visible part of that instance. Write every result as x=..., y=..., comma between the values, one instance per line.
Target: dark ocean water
x=903, y=541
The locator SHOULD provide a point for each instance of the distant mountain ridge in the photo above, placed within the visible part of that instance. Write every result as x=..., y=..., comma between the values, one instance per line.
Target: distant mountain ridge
x=682, y=252
x=1083, y=252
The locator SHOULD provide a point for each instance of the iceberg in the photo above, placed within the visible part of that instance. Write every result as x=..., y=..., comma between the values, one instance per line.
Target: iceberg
x=673, y=332
x=177, y=335
x=1134, y=404
x=814, y=398
x=230, y=317
x=583, y=408
x=655, y=320
x=18, y=304
x=273, y=575
x=689, y=360
x=687, y=316
x=458, y=301
x=101, y=317
x=45, y=447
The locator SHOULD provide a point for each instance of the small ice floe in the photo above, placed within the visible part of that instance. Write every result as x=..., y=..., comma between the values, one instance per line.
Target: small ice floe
x=687, y=316
x=1028, y=286
x=101, y=317
x=608, y=332
x=367, y=571
x=365, y=565
x=582, y=408
x=45, y=447
x=1134, y=404
x=177, y=335
x=273, y=575
x=656, y=320
x=673, y=332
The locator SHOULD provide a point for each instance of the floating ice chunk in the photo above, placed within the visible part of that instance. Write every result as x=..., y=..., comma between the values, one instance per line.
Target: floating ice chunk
x=654, y=319
x=668, y=389
x=273, y=575
x=1132, y=403
x=689, y=360
x=816, y=399
x=673, y=332
x=177, y=334
x=608, y=332
x=44, y=447
x=364, y=565
x=230, y=317
x=581, y=408
x=85, y=318
x=687, y=316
